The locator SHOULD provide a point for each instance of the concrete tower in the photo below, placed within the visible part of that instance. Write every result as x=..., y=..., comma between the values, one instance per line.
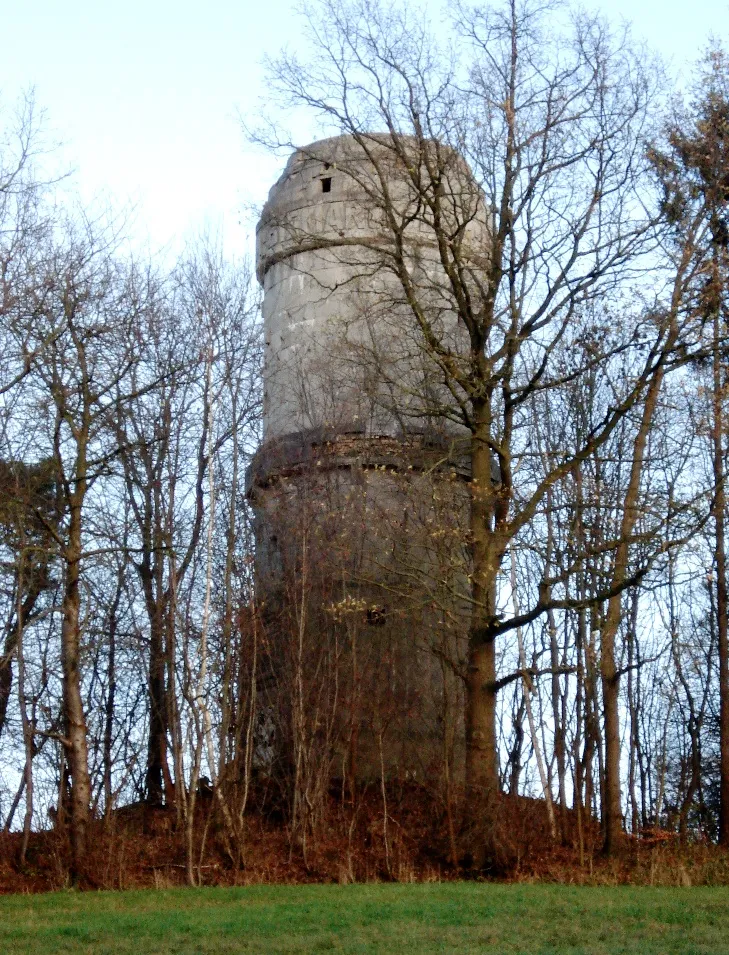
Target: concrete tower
x=355, y=442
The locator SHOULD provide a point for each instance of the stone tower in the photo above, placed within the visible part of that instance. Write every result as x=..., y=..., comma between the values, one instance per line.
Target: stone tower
x=358, y=463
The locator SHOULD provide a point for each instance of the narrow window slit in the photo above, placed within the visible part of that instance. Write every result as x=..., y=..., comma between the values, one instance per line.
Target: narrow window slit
x=326, y=185
x=376, y=616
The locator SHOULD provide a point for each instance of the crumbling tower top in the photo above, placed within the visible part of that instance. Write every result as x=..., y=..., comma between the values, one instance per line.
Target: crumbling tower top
x=337, y=327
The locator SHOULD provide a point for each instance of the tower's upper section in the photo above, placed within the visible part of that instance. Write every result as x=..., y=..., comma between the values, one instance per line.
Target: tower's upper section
x=349, y=226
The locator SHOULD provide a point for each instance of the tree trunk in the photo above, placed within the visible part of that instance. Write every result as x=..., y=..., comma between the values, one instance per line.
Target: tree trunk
x=722, y=601
x=482, y=774
x=633, y=718
x=76, y=742
x=613, y=818
x=110, y=701
x=482, y=780
x=157, y=742
x=518, y=724
x=9, y=649
x=27, y=724
x=560, y=746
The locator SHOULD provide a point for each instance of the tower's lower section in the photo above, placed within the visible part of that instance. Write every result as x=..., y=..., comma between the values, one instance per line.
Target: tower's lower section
x=362, y=564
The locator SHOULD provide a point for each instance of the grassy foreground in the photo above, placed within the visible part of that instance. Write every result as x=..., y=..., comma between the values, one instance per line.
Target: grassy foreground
x=448, y=917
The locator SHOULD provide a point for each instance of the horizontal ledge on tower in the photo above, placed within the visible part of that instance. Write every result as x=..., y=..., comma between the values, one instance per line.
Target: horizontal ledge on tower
x=322, y=450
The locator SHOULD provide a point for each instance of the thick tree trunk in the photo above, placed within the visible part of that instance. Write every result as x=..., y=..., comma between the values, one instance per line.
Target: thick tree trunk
x=481, y=767
x=482, y=774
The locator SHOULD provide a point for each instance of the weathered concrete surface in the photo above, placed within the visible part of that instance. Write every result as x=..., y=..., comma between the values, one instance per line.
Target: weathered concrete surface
x=342, y=349
x=360, y=559
x=361, y=484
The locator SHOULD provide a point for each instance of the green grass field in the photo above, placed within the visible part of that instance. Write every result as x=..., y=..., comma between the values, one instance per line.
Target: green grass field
x=448, y=917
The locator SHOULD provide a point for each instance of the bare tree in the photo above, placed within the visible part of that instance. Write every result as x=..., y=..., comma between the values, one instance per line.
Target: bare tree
x=551, y=113
x=693, y=167
x=86, y=315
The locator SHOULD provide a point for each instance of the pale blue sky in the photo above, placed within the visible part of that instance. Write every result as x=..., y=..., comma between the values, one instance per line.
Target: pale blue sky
x=145, y=94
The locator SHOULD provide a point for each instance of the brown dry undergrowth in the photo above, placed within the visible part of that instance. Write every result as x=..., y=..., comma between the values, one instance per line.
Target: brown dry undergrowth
x=141, y=847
